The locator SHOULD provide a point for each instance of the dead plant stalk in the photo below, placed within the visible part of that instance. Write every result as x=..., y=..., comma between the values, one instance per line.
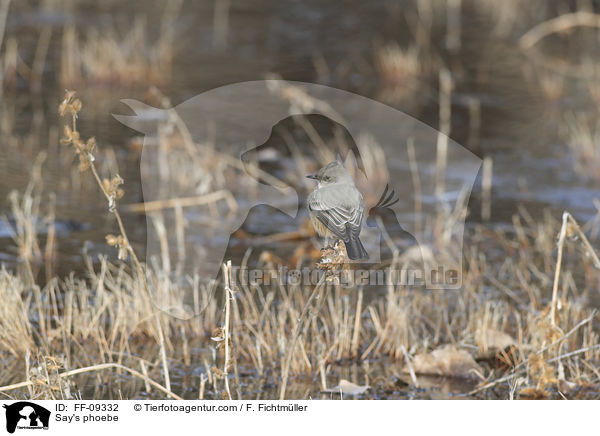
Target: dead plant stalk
x=569, y=226
x=74, y=106
x=98, y=368
x=226, y=332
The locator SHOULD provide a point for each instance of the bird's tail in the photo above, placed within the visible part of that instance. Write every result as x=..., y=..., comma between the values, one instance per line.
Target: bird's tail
x=355, y=249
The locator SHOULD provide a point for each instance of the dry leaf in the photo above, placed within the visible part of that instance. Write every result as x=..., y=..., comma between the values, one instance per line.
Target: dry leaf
x=348, y=388
x=497, y=340
x=534, y=393
x=447, y=361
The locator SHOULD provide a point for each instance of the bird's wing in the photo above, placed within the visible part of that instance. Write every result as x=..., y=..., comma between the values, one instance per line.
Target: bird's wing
x=343, y=221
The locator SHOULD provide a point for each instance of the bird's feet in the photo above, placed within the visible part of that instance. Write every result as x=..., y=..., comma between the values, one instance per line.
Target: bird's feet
x=334, y=246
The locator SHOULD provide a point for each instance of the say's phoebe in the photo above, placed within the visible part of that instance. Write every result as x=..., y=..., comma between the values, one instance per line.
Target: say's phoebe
x=336, y=207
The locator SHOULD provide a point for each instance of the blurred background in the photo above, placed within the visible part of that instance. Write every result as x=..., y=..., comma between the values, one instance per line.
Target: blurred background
x=526, y=104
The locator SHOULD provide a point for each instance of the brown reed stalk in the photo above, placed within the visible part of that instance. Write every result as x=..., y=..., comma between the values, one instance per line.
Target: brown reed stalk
x=569, y=227
x=445, y=114
x=486, y=189
x=416, y=181
x=561, y=243
x=3, y=15
x=558, y=24
x=226, y=331
x=111, y=192
x=98, y=368
x=173, y=203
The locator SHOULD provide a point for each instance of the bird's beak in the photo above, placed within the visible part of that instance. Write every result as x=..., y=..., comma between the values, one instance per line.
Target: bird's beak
x=311, y=176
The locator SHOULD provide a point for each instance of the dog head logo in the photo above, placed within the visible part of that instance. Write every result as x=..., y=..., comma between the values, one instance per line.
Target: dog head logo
x=26, y=415
x=200, y=187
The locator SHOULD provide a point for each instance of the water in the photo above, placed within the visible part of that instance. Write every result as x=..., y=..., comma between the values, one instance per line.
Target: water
x=531, y=165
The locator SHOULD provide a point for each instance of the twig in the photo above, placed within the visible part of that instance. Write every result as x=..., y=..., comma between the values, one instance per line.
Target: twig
x=558, y=24
x=520, y=367
x=97, y=368
x=74, y=106
x=589, y=249
x=569, y=225
x=145, y=372
x=227, y=280
x=411, y=371
x=561, y=243
x=445, y=114
x=573, y=353
x=213, y=197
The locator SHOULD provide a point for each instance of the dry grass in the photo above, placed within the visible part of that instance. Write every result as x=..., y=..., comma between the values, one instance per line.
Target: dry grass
x=523, y=315
x=106, y=57
x=89, y=55
x=583, y=140
x=523, y=320
x=107, y=319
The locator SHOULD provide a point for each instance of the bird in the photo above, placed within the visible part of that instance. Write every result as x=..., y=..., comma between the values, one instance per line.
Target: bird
x=337, y=208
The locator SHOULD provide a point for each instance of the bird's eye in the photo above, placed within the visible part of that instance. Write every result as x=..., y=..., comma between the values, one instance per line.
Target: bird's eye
x=326, y=178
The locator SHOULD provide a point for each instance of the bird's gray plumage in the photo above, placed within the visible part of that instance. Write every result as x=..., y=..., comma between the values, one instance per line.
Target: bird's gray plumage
x=338, y=206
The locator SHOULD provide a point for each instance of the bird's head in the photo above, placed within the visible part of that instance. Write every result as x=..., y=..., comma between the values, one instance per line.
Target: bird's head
x=332, y=173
